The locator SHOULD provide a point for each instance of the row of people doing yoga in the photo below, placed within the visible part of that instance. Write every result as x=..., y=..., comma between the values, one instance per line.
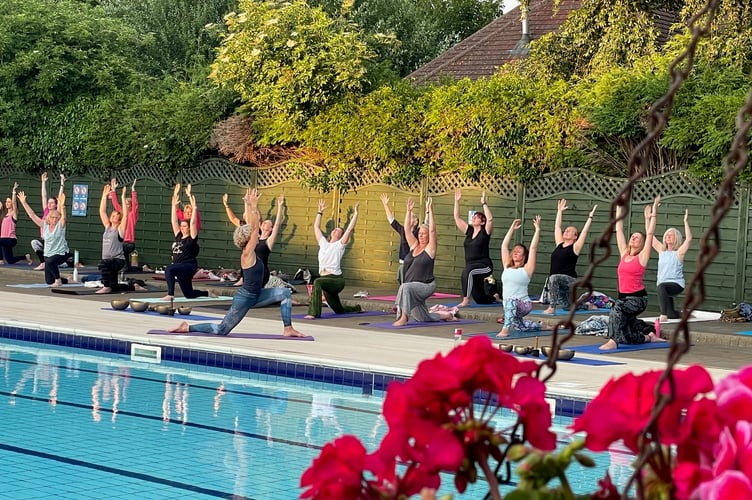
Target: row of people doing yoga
x=418, y=253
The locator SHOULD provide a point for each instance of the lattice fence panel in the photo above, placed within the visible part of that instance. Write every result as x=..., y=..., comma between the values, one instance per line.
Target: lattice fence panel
x=675, y=184
x=273, y=176
x=555, y=184
x=448, y=183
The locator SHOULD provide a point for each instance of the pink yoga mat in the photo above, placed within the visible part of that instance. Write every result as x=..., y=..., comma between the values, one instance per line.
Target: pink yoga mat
x=436, y=295
x=258, y=336
x=388, y=324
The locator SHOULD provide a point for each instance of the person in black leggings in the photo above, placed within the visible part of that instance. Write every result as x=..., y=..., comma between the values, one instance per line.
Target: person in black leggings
x=184, y=252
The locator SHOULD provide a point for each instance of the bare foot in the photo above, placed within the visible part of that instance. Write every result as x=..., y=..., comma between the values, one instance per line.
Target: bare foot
x=213, y=293
x=503, y=333
x=40, y=267
x=79, y=265
x=465, y=302
x=57, y=283
x=167, y=298
x=289, y=331
x=28, y=259
x=104, y=290
x=652, y=337
x=400, y=322
x=545, y=325
x=308, y=316
x=609, y=346
x=663, y=318
x=181, y=328
x=139, y=288
x=548, y=310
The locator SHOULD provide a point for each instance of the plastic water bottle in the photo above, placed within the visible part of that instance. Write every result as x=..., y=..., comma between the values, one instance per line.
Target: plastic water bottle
x=75, y=266
x=457, y=336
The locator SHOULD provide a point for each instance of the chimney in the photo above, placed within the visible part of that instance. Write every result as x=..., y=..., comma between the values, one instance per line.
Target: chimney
x=522, y=47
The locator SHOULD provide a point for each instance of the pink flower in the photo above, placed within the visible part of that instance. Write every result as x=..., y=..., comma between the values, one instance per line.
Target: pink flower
x=734, y=395
x=528, y=400
x=732, y=484
x=337, y=472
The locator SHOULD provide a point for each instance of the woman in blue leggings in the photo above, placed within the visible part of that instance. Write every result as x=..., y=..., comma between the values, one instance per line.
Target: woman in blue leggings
x=251, y=293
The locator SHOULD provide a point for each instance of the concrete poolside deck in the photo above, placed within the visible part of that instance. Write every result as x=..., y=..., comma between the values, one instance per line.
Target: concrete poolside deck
x=346, y=342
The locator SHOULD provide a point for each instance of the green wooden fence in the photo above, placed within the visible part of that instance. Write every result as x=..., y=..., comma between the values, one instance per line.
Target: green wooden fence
x=371, y=260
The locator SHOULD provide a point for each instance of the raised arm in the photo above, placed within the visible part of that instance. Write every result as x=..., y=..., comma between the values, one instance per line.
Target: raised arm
x=487, y=213
x=351, y=226
x=13, y=204
x=250, y=211
x=516, y=224
x=385, y=201
x=459, y=221
x=44, y=191
x=558, y=233
x=277, y=222
x=433, y=241
x=103, y=205
x=29, y=211
x=649, y=230
x=532, y=253
x=134, y=201
x=113, y=195
x=409, y=224
x=682, y=250
x=123, y=215
x=194, y=218
x=582, y=238
x=230, y=214
x=317, y=221
x=621, y=239
x=62, y=186
x=174, y=210
x=61, y=208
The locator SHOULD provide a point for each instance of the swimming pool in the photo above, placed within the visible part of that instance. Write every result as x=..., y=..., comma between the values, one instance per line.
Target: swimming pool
x=83, y=424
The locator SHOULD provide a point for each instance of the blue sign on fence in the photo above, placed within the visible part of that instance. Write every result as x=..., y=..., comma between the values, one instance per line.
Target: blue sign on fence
x=80, y=200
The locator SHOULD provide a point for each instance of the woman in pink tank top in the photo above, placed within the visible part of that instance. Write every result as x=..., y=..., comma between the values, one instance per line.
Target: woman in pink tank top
x=623, y=325
x=8, y=219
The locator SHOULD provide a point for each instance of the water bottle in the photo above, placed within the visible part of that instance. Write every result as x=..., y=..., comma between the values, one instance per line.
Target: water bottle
x=134, y=258
x=457, y=336
x=75, y=266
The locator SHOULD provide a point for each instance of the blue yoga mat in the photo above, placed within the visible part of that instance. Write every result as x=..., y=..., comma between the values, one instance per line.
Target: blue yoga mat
x=388, y=324
x=232, y=335
x=332, y=315
x=594, y=348
x=514, y=335
x=565, y=312
x=746, y=332
x=192, y=316
x=575, y=360
x=183, y=300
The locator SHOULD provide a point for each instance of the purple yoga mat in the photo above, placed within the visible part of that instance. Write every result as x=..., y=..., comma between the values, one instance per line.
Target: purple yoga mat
x=257, y=336
x=413, y=324
x=595, y=348
x=331, y=315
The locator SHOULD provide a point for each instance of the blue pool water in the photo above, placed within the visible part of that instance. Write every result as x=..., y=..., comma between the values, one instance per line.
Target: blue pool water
x=84, y=424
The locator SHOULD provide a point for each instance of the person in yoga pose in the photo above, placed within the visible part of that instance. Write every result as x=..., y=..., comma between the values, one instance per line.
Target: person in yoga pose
x=563, y=271
x=131, y=207
x=519, y=266
x=330, y=281
x=9, y=218
x=246, y=238
x=47, y=205
x=419, y=282
x=185, y=251
x=478, y=264
x=56, y=250
x=671, y=252
x=623, y=325
x=404, y=247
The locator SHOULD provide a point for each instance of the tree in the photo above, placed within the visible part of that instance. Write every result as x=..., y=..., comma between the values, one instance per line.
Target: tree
x=289, y=62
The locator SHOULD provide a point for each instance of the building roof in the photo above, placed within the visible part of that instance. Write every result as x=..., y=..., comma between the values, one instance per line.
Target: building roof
x=480, y=54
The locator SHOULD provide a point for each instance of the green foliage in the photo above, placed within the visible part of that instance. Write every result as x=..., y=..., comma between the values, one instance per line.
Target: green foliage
x=507, y=125
x=289, y=62
x=422, y=28
x=381, y=131
x=177, y=30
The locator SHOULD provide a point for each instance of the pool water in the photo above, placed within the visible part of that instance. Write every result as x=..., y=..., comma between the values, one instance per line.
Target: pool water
x=83, y=424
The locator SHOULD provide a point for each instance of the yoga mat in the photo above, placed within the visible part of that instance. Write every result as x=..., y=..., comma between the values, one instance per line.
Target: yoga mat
x=746, y=332
x=192, y=316
x=152, y=300
x=42, y=285
x=564, y=312
x=388, y=324
x=331, y=315
x=514, y=335
x=233, y=335
x=93, y=291
x=473, y=304
x=161, y=277
x=436, y=295
x=698, y=316
x=575, y=360
x=594, y=348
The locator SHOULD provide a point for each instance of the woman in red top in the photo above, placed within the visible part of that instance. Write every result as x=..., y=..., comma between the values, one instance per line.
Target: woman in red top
x=623, y=325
